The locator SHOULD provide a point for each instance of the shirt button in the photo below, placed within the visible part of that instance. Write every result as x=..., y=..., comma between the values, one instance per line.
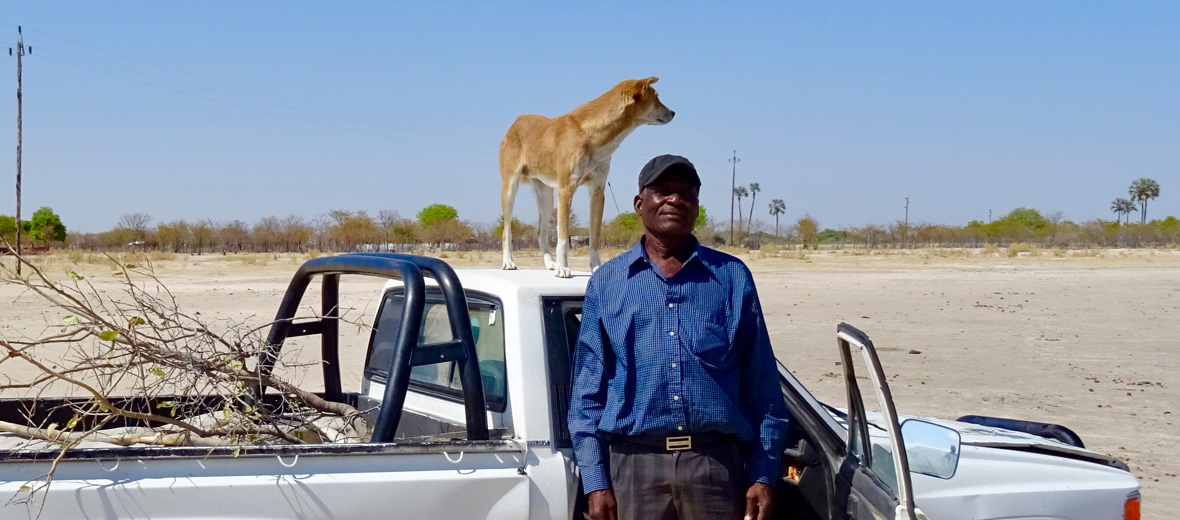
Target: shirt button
x=671, y=305
x=671, y=333
x=680, y=428
x=673, y=365
x=675, y=398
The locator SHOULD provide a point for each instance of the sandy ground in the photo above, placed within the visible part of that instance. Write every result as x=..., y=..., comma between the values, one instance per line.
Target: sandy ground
x=1084, y=339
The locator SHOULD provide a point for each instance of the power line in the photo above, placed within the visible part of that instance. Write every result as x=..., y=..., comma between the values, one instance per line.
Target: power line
x=260, y=100
x=407, y=126
x=263, y=110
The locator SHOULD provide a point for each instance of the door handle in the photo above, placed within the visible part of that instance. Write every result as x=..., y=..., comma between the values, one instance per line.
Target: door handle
x=853, y=506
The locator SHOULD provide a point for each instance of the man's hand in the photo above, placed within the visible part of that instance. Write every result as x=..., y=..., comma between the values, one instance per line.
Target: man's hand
x=759, y=502
x=602, y=505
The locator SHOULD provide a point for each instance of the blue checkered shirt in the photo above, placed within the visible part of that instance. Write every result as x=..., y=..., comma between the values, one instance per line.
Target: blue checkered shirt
x=674, y=356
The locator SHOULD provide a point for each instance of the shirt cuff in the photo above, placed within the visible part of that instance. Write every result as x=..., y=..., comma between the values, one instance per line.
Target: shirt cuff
x=594, y=478
x=764, y=470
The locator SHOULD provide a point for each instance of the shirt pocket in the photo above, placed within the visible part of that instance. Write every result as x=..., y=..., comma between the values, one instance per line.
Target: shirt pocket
x=711, y=344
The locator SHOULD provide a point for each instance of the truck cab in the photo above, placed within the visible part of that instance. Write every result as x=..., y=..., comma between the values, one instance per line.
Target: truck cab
x=525, y=326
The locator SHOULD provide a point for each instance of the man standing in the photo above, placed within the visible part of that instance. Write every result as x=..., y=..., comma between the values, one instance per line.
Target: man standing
x=676, y=410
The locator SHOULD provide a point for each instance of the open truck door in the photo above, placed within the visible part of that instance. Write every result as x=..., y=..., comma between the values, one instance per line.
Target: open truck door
x=873, y=481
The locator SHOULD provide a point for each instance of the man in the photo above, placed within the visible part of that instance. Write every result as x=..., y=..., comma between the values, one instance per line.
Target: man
x=676, y=410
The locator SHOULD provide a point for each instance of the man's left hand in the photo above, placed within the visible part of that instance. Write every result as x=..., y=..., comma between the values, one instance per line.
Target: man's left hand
x=759, y=502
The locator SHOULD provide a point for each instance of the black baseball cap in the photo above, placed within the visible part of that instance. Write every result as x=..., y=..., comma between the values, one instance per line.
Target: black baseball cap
x=661, y=164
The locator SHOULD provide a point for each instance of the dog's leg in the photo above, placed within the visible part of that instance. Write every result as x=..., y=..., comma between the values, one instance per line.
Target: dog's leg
x=597, y=199
x=507, y=200
x=544, y=213
x=565, y=199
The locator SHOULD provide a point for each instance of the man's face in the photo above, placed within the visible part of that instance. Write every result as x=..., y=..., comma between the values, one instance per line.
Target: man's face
x=668, y=207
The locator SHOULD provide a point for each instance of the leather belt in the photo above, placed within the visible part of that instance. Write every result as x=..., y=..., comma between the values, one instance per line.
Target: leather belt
x=675, y=443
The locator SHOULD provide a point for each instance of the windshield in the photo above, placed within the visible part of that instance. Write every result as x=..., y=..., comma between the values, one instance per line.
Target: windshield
x=835, y=418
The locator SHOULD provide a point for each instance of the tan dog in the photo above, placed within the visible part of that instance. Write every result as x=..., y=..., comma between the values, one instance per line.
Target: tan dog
x=566, y=152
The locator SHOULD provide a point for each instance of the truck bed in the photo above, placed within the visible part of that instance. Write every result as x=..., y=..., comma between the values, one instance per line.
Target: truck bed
x=328, y=480
x=414, y=430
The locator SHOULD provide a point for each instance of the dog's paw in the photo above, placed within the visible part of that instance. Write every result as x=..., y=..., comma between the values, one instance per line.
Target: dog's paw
x=509, y=266
x=549, y=263
x=562, y=272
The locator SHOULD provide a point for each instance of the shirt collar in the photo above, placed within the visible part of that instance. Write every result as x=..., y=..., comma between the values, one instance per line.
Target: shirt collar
x=638, y=253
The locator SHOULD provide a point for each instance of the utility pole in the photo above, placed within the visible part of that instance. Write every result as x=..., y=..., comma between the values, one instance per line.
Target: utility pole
x=19, y=51
x=989, y=216
x=907, y=221
x=732, y=187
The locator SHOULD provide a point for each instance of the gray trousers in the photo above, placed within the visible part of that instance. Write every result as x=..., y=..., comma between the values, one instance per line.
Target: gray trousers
x=703, y=484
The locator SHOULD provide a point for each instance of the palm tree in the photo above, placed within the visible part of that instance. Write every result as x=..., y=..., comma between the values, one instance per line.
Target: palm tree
x=754, y=189
x=1128, y=209
x=1120, y=207
x=1143, y=190
x=740, y=192
x=777, y=207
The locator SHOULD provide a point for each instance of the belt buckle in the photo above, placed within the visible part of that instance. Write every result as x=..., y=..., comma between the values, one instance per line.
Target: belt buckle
x=678, y=443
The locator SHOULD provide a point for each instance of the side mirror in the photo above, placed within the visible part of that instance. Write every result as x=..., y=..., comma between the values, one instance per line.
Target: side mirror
x=931, y=449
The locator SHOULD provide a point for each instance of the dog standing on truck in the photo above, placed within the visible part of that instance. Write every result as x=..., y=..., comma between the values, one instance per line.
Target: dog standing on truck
x=569, y=151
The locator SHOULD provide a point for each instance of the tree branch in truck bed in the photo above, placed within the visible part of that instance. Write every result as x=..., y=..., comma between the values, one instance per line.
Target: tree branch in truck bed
x=188, y=380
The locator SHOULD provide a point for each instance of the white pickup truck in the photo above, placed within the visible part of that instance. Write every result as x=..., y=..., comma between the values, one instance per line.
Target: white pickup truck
x=467, y=377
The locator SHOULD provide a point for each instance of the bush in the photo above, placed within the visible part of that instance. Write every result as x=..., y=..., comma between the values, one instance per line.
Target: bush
x=623, y=230
x=808, y=231
x=435, y=212
x=1021, y=247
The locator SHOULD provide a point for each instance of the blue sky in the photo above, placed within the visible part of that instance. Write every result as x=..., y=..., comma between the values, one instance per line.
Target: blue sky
x=243, y=110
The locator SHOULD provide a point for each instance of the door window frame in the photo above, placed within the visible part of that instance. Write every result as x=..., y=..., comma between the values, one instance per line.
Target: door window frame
x=852, y=341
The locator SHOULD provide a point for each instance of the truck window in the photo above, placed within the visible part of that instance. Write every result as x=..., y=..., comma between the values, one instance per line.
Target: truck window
x=442, y=379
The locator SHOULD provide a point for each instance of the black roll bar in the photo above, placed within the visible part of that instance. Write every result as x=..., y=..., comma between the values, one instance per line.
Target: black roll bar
x=456, y=302
x=407, y=352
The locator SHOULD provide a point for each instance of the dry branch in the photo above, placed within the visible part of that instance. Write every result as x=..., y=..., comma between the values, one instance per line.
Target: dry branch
x=140, y=339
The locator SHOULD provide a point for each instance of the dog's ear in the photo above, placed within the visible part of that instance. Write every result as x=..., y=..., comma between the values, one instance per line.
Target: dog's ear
x=641, y=87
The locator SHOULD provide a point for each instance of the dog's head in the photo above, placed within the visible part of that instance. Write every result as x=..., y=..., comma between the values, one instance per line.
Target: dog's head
x=644, y=99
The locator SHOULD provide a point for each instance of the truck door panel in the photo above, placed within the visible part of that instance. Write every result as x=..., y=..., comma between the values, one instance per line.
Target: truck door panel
x=386, y=485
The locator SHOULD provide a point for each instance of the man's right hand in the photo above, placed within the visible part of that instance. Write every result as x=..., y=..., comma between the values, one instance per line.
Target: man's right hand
x=602, y=505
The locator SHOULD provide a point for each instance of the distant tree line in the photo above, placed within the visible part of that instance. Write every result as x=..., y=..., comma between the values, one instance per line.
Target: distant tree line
x=43, y=229
x=438, y=226
x=1021, y=225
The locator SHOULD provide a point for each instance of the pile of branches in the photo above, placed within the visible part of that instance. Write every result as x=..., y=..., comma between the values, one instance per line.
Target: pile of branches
x=137, y=342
